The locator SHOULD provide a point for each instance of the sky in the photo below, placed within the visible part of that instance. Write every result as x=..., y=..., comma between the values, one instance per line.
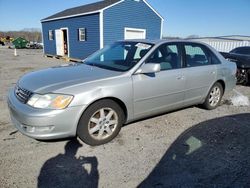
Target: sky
x=182, y=17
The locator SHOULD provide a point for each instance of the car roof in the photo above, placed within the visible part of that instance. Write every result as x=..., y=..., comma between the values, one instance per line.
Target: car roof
x=161, y=41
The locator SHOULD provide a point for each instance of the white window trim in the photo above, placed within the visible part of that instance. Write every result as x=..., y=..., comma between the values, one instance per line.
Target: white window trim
x=51, y=36
x=79, y=34
x=134, y=29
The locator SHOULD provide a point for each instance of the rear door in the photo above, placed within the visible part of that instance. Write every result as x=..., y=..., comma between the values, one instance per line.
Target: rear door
x=199, y=71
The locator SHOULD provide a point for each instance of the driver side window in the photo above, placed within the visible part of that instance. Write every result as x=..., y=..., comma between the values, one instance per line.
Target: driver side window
x=167, y=56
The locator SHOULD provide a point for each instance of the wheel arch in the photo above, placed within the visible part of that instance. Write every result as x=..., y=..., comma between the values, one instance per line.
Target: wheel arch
x=115, y=99
x=222, y=82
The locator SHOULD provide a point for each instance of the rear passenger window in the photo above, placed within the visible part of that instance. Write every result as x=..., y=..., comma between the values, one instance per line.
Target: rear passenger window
x=196, y=56
x=167, y=56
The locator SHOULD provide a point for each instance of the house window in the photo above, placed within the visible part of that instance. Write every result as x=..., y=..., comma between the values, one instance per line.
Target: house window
x=82, y=34
x=51, y=37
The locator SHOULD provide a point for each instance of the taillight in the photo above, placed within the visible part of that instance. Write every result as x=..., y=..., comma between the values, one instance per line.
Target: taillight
x=234, y=70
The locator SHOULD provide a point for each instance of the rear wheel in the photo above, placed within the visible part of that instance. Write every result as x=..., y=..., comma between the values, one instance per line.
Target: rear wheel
x=100, y=123
x=214, y=97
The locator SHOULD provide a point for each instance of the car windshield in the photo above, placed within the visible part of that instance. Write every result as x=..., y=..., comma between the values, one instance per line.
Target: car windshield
x=120, y=56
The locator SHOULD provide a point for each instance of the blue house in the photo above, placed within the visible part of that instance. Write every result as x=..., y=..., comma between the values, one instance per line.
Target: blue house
x=80, y=31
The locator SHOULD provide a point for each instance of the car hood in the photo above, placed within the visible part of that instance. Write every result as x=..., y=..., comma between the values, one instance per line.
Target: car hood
x=52, y=79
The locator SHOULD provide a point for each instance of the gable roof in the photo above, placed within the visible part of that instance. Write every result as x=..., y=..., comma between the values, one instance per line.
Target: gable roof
x=88, y=9
x=84, y=9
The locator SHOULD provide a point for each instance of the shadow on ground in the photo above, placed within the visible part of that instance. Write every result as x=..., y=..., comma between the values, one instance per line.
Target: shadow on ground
x=214, y=153
x=65, y=170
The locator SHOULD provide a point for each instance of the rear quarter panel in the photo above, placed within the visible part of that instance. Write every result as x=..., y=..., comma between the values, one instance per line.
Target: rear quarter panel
x=228, y=73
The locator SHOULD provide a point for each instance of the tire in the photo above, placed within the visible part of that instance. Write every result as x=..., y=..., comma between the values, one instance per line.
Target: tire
x=248, y=77
x=214, y=97
x=100, y=123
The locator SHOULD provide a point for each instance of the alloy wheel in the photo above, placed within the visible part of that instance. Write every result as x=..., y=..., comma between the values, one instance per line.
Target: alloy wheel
x=214, y=96
x=102, y=123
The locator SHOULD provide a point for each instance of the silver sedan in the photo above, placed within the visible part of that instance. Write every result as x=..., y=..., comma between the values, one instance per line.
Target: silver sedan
x=118, y=84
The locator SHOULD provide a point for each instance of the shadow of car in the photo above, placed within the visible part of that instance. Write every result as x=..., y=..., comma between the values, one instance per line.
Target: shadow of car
x=214, y=153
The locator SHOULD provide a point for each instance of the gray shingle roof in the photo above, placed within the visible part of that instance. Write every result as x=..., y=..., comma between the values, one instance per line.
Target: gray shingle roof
x=82, y=9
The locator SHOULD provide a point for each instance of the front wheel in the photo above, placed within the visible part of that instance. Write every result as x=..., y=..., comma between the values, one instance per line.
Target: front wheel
x=100, y=123
x=214, y=97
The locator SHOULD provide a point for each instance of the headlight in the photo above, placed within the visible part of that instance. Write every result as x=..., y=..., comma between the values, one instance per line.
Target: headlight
x=50, y=101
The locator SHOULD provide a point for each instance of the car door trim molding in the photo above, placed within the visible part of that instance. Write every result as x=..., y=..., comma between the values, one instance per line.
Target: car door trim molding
x=158, y=96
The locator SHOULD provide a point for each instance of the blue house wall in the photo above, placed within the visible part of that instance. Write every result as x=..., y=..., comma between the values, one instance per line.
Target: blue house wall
x=132, y=14
x=77, y=49
x=126, y=14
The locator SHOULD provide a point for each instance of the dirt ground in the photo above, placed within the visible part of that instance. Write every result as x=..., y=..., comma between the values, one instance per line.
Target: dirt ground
x=191, y=147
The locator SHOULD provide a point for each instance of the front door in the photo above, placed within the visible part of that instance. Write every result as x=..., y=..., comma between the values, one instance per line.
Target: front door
x=158, y=92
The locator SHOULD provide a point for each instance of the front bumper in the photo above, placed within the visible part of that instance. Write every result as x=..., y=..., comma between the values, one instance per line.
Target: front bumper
x=43, y=124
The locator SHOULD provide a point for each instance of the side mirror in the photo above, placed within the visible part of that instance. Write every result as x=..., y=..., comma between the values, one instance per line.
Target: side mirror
x=149, y=68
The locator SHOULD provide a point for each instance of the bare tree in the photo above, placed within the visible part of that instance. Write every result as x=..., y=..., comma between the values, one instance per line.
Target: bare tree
x=30, y=34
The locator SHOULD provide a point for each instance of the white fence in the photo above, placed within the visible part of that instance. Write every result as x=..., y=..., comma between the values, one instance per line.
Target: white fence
x=226, y=46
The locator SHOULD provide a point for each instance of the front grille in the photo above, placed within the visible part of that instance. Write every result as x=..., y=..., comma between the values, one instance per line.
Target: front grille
x=22, y=95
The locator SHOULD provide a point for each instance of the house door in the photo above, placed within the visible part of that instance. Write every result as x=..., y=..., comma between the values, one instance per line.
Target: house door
x=59, y=42
x=133, y=33
x=65, y=42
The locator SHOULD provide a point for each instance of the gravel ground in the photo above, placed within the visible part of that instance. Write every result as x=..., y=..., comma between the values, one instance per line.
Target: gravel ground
x=191, y=147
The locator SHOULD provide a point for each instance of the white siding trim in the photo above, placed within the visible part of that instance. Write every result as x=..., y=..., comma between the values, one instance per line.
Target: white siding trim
x=101, y=29
x=153, y=9
x=70, y=16
x=161, y=29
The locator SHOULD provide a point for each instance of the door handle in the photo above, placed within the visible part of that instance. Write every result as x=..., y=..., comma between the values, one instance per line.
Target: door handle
x=213, y=72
